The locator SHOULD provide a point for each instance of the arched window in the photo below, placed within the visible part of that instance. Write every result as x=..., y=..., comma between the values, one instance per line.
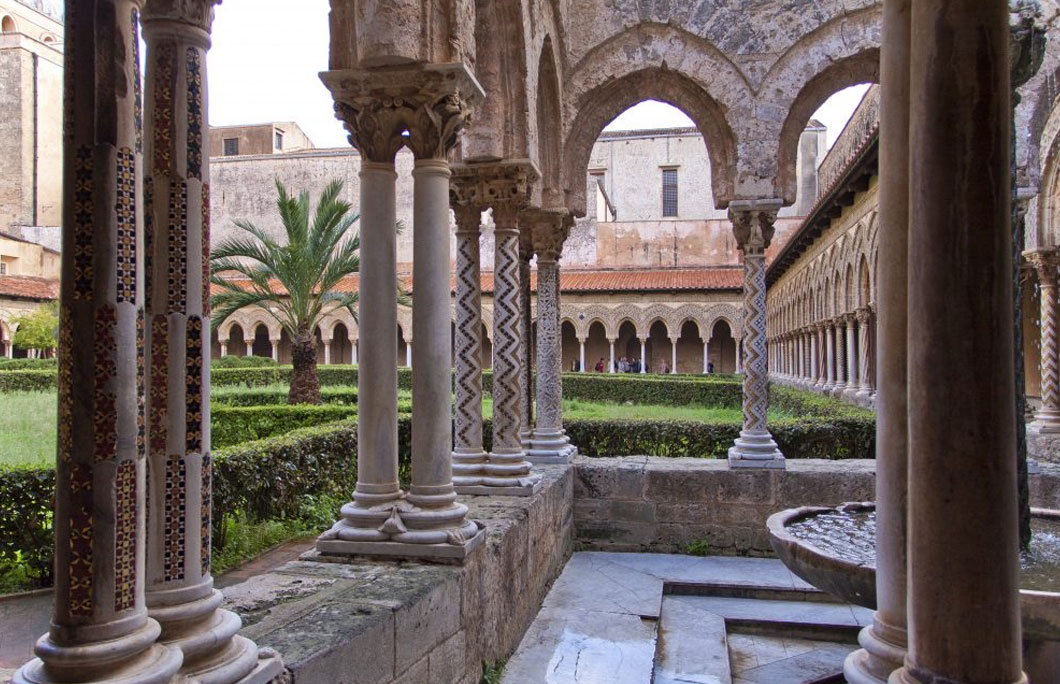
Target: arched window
x=7, y=24
x=48, y=39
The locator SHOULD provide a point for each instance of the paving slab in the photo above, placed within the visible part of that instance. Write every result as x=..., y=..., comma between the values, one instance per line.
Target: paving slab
x=692, y=646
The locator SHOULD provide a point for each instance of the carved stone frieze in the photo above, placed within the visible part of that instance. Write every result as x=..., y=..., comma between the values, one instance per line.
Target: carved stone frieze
x=198, y=13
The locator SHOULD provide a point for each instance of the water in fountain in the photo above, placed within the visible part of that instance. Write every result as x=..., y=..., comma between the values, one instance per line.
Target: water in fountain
x=848, y=534
x=1040, y=564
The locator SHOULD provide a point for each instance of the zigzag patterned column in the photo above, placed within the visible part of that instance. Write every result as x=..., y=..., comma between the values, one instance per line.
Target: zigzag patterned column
x=753, y=226
x=1045, y=262
x=526, y=333
x=468, y=457
x=180, y=591
x=100, y=630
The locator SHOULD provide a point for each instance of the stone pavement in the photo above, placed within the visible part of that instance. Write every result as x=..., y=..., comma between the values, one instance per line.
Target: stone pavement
x=663, y=619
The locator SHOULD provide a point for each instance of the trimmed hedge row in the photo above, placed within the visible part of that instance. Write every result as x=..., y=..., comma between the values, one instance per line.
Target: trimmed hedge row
x=243, y=362
x=659, y=390
x=27, y=380
x=345, y=396
x=232, y=425
x=27, y=364
x=27, y=499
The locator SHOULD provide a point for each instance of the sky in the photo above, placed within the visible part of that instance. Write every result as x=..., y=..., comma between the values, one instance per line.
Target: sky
x=262, y=69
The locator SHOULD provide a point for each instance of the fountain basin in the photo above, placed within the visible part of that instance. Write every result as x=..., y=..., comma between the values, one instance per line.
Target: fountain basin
x=814, y=547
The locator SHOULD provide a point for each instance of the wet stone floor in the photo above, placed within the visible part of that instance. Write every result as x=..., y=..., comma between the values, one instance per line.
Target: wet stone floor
x=659, y=619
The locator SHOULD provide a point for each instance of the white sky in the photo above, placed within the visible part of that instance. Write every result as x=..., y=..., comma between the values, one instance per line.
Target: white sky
x=265, y=59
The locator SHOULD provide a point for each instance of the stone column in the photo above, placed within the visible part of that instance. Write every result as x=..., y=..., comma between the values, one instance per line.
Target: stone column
x=740, y=353
x=813, y=361
x=673, y=355
x=432, y=103
x=1045, y=262
x=100, y=629
x=643, y=355
x=828, y=329
x=224, y=348
x=840, y=356
x=706, y=356
x=963, y=594
x=611, y=362
x=469, y=459
x=408, y=352
x=550, y=443
x=865, y=388
x=526, y=327
x=581, y=354
x=505, y=470
x=753, y=228
x=248, y=347
x=851, y=389
x=884, y=642
x=180, y=592
x=274, y=345
x=353, y=350
x=327, y=352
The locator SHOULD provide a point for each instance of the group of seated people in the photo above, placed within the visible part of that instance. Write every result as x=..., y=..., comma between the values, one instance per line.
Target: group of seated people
x=626, y=365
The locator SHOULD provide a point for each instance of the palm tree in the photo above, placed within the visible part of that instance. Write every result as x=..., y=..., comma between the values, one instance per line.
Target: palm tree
x=296, y=282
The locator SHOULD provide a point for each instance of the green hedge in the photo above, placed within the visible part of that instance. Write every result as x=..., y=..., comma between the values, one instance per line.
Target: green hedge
x=243, y=362
x=27, y=499
x=26, y=380
x=345, y=396
x=27, y=364
x=231, y=425
x=660, y=390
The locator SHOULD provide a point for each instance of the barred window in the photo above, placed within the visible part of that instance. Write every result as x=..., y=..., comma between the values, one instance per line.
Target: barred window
x=231, y=147
x=279, y=140
x=669, y=192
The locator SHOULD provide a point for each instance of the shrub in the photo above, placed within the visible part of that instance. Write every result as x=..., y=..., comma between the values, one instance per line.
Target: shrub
x=243, y=362
x=231, y=425
x=653, y=389
x=7, y=364
x=27, y=499
x=27, y=380
x=345, y=396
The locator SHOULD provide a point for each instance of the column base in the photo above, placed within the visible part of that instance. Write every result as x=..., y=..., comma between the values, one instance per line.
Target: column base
x=755, y=449
x=551, y=446
x=850, y=394
x=526, y=438
x=874, y=662
x=907, y=676
x=468, y=468
x=101, y=662
x=336, y=549
x=527, y=487
x=1046, y=422
x=863, y=397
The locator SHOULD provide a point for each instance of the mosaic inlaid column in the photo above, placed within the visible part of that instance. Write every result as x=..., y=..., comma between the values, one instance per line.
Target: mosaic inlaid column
x=469, y=458
x=508, y=470
x=963, y=584
x=431, y=103
x=100, y=629
x=180, y=591
x=1045, y=262
x=550, y=443
x=753, y=227
x=526, y=332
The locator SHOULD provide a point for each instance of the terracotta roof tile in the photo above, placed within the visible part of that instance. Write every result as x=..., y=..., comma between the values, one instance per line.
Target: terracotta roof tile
x=28, y=287
x=620, y=280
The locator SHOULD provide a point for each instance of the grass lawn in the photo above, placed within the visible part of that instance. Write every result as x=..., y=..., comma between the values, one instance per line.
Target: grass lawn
x=27, y=428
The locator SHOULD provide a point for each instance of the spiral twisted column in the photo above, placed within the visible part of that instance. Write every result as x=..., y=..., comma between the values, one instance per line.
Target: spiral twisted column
x=430, y=104
x=549, y=443
x=851, y=389
x=840, y=356
x=1045, y=262
x=865, y=387
x=753, y=227
x=100, y=629
x=180, y=591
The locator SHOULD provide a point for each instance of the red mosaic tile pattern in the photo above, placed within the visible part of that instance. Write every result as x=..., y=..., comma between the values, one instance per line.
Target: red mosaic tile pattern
x=158, y=401
x=195, y=122
x=84, y=211
x=138, y=85
x=105, y=420
x=206, y=518
x=165, y=75
x=175, y=517
x=193, y=368
x=79, y=565
x=141, y=389
x=206, y=250
x=149, y=233
x=64, y=384
x=126, y=237
x=178, y=246
x=125, y=537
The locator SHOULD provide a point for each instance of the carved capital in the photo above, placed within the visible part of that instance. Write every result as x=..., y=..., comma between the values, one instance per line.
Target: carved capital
x=864, y=315
x=548, y=230
x=468, y=219
x=753, y=223
x=494, y=183
x=1045, y=262
x=431, y=103
x=195, y=13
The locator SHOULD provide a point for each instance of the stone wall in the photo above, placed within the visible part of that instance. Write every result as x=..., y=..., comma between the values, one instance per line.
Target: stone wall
x=412, y=623
x=650, y=504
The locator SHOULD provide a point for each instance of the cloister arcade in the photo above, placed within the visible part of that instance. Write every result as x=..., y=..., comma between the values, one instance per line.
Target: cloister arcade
x=500, y=103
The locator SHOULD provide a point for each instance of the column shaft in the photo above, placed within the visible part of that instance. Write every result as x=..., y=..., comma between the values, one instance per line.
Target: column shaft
x=829, y=355
x=100, y=628
x=468, y=456
x=852, y=358
x=840, y=356
x=1048, y=416
x=963, y=603
x=550, y=443
x=526, y=327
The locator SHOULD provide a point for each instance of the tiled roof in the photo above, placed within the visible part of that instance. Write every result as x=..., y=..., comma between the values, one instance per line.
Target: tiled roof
x=617, y=280
x=28, y=287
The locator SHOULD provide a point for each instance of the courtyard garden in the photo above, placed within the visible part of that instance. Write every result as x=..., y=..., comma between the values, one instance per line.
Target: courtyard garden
x=282, y=471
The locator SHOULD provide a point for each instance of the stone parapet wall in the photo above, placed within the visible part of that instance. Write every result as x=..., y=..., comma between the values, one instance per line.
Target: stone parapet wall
x=413, y=623
x=652, y=504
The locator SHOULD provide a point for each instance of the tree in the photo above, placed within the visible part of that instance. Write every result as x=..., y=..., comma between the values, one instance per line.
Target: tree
x=295, y=282
x=38, y=329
